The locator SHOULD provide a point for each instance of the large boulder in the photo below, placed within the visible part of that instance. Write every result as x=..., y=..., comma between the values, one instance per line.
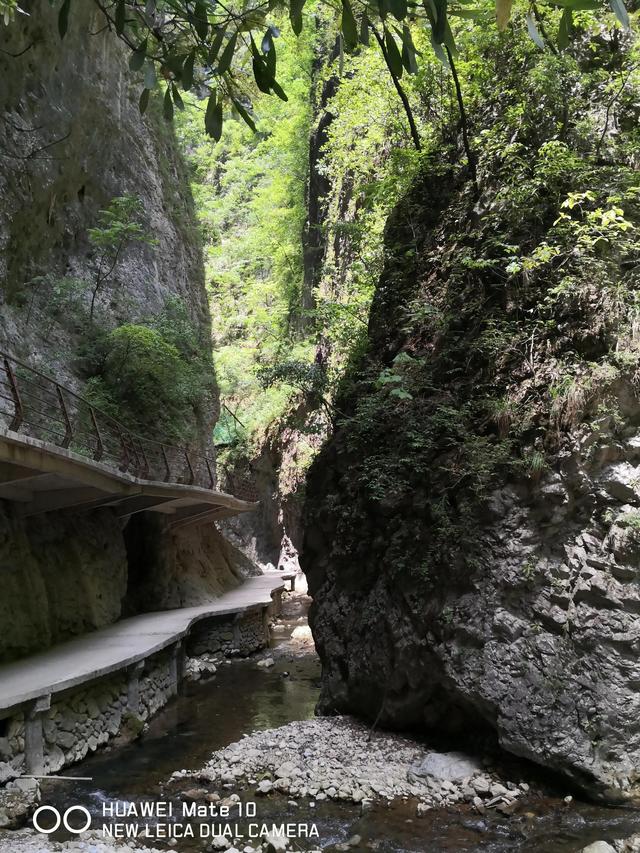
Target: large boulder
x=472, y=539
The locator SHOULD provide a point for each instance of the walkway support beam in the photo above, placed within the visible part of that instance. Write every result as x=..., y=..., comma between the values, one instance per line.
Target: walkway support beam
x=34, y=735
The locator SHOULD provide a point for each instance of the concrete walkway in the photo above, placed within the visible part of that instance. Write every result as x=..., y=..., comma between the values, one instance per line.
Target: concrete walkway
x=121, y=645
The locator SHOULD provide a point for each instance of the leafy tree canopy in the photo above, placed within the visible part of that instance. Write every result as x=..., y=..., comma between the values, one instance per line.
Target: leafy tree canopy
x=220, y=49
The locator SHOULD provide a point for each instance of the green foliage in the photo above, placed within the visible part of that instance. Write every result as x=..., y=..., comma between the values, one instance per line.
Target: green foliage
x=66, y=299
x=230, y=50
x=249, y=194
x=63, y=297
x=529, y=570
x=498, y=324
x=143, y=380
x=8, y=9
x=534, y=464
x=630, y=520
x=119, y=226
x=310, y=379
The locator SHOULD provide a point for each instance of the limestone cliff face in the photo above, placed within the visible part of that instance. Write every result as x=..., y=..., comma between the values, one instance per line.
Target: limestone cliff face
x=180, y=569
x=71, y=139
x=540, y=642
x=61, y=575
x=272, y=534
x=472, y=527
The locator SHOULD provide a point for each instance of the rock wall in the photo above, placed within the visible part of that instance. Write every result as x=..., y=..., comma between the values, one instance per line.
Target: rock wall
x=65, y=574
x=71, y=139
x=540, y=643
x=178, y=569
x=471, y=528
x=271, y=535
x=230, y=635
x=60, y=575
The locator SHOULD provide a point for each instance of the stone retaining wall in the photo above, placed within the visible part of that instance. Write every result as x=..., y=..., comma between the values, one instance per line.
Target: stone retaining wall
x=43, y=738
x=79, y=722
x=239, y=634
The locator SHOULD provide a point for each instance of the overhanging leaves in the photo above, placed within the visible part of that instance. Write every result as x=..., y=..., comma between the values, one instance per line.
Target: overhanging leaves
x=349, y=26
x=213, y=116
x=564, y=29
x=137, y=58
x=177, y=99
x=63, y=18
x=144, y=101
x=120, y=16
x=216, y=44
x=295, y=15
x=167, y=105
x=408, y=51
x=200, y=22
x=243, y=113
x=227, y=54
x=398, y=9
x=503, y=13
x=619, y=10
x=187, y=71
x=364, y=30
x=534, y=33
x=393, y=54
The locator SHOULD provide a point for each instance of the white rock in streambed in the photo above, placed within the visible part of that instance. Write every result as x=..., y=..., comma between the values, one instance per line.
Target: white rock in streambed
x=275, y=843
x=446, y=767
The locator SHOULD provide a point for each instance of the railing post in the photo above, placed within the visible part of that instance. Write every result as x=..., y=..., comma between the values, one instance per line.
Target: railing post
x=166, y=464
x=17, y=402
x=212, y=479
x=34, y=735
x=190, y=466
x=133, y=688
x=134, y=450
x=99, y=445
x=68, y=429
x=124, y=464
x=143, y=470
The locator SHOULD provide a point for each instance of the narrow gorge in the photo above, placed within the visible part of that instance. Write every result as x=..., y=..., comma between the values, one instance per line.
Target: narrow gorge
x=319, y=426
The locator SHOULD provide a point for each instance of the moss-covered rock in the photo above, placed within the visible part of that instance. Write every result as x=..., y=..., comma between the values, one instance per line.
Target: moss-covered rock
x=461, y=541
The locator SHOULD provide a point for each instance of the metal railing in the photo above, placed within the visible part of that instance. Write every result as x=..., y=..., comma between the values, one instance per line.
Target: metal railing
x=36, y=405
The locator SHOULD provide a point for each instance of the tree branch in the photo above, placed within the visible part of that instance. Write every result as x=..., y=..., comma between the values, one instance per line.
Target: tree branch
x=403, y=97
x=464, y=123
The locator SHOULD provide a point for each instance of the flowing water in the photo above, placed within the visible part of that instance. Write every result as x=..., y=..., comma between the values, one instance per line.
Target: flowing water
x=242, y=698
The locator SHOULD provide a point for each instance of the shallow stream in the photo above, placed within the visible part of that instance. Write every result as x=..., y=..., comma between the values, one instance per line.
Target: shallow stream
x=242, y=698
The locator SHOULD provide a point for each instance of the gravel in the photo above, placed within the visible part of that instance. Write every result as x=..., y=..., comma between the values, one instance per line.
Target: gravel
x=336, y=758
x=26, y=841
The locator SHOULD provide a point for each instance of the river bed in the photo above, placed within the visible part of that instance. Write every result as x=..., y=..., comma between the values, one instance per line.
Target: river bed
x=242, y=698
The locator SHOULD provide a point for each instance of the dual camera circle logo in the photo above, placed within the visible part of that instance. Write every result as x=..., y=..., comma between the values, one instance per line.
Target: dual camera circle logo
x=60, y=819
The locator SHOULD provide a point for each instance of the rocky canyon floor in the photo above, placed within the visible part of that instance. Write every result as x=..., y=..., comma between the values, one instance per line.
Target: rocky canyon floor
x=241, y=753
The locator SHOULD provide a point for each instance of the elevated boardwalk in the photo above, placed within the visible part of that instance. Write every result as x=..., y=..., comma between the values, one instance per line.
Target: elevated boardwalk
x=121, y=645
x=58, y=452
x=38, y=477
x=31, y=689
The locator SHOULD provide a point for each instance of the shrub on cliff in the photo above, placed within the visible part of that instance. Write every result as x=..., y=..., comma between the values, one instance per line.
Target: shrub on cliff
x=144, y=380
